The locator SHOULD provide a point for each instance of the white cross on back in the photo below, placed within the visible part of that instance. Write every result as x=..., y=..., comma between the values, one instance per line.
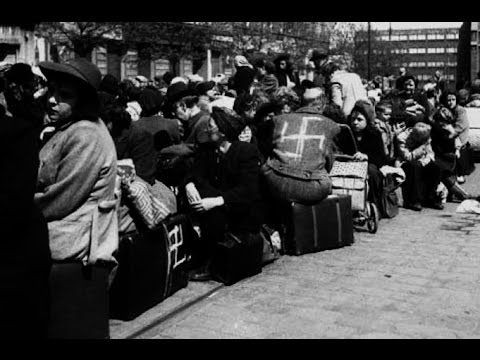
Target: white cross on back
x=301, y=137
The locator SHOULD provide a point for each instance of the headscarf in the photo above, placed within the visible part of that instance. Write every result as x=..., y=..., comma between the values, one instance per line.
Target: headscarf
x=241, y=61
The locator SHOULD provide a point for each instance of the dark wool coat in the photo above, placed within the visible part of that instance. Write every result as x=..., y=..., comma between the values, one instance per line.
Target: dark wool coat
x=236, y=177
x=302, y=144
x=24, y=245
x=243, y=79
x=138, y=144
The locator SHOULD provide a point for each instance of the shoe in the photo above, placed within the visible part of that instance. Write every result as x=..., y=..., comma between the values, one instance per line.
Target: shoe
x=459, y=193
x=414, y=207
x=200, y=276
x=461, y=179
x=435, y=205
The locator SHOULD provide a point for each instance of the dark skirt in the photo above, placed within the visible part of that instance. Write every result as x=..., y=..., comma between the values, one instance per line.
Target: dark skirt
x=466, y=162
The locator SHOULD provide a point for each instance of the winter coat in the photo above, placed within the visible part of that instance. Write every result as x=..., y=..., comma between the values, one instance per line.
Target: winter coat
x=24, y=230
x=236, y=177
x=243, y=79
x=76, y=192
x=462, y=124
x=302, y=142
x=138, y=144
x=405, y=153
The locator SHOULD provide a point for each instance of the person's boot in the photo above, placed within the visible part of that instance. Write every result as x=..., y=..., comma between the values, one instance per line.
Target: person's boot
x=459, y=193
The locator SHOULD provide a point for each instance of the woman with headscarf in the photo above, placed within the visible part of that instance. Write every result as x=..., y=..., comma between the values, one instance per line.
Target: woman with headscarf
x=76, y=194
x=244, y=76
x=370, y=147
x=227, y=181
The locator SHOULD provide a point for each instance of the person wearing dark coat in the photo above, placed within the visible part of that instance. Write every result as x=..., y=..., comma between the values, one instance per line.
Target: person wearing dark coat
x=132, y=142
x=152, y=122
x=369, y=145
x=244, y=76
x=224, y=187
x=26, y=258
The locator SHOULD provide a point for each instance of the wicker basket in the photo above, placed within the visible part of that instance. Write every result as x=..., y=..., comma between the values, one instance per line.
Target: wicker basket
x=349, y=178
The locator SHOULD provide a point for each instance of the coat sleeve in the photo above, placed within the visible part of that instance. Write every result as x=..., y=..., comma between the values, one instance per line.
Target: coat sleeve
x=336, y=94
x=377, y=154
x=247, y=188
x=461, y=124
x=78, y=170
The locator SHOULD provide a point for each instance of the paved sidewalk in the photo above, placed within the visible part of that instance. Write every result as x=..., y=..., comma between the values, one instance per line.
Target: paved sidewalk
x=418, y=277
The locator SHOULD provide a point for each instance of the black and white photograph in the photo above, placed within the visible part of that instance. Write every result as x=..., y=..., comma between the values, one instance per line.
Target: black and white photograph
x=239, y=180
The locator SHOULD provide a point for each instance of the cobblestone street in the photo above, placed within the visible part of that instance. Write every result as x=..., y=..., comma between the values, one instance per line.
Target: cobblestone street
x=418, y=277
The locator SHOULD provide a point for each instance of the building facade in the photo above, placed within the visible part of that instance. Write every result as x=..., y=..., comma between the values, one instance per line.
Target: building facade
x=424, y=51
x=17, y=43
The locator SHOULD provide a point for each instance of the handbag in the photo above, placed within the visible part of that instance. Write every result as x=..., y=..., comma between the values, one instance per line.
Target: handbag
x=238, y=257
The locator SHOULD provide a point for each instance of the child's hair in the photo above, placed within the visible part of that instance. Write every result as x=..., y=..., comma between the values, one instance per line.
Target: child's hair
x=419, y=136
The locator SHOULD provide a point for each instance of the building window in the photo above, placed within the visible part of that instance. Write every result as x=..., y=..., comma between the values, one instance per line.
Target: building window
x=161, y=67
x=450, y=36
x=413, y=37
x=412, y=64
x=440, y=50
x=385, y=38
x=440, y=64
x=440, y=36
x=431, y=36
x=101, y=60
x=431, y=51
x=431, y=64
x=421, y=64
x=403, y=37
x=422, y=50
x=422, y=37
x=413, y=51
x=395, y=37
x=131, y=64
x=451, y=50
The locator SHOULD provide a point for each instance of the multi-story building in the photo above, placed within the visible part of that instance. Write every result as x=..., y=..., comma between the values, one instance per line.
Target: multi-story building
x=424, y=51
x=126, y=63
x=17, y=42
x=469, y=53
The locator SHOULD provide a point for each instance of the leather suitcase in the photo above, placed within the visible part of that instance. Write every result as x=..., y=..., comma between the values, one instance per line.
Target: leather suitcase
x=238, y=258
x=324, y=226
x=152, y=266
x=78, y=302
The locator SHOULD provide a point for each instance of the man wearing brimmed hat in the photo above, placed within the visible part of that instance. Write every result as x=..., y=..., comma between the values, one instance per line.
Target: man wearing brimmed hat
x=76, y=194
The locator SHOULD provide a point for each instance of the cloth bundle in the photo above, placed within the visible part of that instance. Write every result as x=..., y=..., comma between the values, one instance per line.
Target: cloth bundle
x=152, y=204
